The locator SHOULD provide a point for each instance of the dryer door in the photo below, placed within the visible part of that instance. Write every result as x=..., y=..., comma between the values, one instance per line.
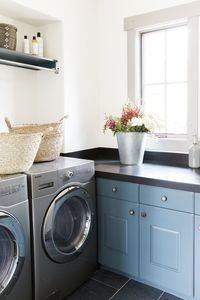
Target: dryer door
x=67, y=224
x=12, y=252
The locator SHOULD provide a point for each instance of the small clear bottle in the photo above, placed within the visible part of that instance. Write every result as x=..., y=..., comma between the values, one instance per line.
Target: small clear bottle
x=40, y=44
x=194, y=154
x=26, y=46
x=34, y=46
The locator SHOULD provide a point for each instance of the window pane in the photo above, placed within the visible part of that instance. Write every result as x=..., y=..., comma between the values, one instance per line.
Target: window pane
x=153, y=57
x=164, y=76
x=177, y=108
x=154, y=99
x=176, y=44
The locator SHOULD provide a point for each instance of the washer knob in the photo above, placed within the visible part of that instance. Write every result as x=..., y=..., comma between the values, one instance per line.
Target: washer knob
x=69, y=174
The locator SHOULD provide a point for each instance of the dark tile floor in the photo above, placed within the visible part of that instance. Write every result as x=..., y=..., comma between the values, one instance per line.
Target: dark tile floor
x=105, y=285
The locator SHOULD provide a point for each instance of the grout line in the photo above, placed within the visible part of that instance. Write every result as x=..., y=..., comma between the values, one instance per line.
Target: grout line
x=119, y=289
x=161, y=295
x=104, y=283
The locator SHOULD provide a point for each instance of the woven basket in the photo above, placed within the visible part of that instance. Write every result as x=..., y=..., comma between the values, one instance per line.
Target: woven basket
x=18, y=151
x=8, y=36
x=52, y=139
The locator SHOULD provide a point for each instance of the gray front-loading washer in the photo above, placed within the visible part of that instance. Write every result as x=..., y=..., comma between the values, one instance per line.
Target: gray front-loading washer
x=15, y=258
x=63, y=209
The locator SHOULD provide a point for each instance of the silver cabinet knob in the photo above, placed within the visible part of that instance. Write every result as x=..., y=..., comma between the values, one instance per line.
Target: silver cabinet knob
x=131, y=212
x=69, y=174
x=164, y=198
x=143, y=214
x=114, y=189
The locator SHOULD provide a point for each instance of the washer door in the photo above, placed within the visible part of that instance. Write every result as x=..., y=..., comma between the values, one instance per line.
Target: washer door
x=12, y=252
x=67, y=224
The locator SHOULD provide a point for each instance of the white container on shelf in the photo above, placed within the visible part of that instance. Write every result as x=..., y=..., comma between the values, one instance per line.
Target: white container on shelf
x=26, y=46
x=194, y=154
x=34, y=46
x=40, y=44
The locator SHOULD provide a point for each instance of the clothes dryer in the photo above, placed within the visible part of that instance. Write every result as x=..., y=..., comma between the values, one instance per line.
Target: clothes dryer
x=15, y=258
x=63, y=209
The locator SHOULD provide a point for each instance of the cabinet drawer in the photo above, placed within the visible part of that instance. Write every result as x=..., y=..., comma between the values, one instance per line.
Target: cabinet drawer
x=197, y=203
x=117, y=189
x=167, y=198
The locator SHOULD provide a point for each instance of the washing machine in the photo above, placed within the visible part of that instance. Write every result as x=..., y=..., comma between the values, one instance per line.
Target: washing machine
x=63, y=209
x=15, y=258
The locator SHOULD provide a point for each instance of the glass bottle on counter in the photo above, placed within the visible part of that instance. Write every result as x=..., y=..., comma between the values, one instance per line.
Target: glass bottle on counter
x=194, y=154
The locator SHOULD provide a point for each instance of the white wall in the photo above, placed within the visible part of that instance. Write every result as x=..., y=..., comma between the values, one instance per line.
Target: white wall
x=29, y=96
x=17, y=86
x=94, y=71
x=81, y=70
x=80, y=67
x=113, y=54
x=49, y=101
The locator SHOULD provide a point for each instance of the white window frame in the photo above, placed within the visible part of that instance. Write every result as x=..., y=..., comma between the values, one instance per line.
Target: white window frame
x=135, y=26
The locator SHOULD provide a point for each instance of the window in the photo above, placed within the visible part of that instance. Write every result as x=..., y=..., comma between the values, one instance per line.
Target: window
x=163, y=71
x=164, y=77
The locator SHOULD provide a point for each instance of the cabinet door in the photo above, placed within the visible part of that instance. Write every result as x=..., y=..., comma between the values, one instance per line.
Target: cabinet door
x=166, y=257
x=118, y=234
x=197, y=257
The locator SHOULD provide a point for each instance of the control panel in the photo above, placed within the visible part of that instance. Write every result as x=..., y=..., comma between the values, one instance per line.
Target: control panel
x=79, y=174
x=13, y=190
x=10, y=189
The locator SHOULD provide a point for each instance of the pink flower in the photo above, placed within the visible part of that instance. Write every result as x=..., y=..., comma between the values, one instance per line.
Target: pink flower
x=110, y=123
x=129, y=112
x=132, y=119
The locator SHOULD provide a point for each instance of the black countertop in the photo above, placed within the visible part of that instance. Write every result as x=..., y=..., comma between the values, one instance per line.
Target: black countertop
x=163, y=169
x=182, y=178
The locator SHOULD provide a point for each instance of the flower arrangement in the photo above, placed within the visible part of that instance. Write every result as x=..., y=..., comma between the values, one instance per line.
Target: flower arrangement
x=133, y=119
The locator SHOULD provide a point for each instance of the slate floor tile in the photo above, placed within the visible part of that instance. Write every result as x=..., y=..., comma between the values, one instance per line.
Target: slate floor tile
x=110, y=278
x=92, y=290
x=167, y=296
x=134, y=290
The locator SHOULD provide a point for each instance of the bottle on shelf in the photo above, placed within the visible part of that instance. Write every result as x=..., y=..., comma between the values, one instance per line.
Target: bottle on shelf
x=26, y=46
x=194, y=154
x=34, y=46
x=40, y=44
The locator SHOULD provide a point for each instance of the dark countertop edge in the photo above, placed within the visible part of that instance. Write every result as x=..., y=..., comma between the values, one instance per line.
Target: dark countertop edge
x=150, y=181
x=102, y=155
x=153, y=157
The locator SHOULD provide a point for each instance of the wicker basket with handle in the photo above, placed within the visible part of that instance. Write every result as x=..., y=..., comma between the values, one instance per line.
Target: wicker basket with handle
x=8, y=36
x=18, y=151
x=52, y=140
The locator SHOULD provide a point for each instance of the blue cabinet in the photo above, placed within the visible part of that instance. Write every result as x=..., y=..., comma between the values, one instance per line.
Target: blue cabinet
x=167, y=198
x=197, y=246
x=148, y=232
x=166, y=248
x=118, y=234
x=197, y=203
x=197, y=257
x=118, y=226
x=117, y=189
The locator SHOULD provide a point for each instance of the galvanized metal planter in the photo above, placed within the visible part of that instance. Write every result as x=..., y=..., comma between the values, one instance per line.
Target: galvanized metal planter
x=131, y=147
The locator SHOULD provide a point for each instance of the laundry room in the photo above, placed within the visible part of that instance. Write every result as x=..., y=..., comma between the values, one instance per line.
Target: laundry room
x=99, y=150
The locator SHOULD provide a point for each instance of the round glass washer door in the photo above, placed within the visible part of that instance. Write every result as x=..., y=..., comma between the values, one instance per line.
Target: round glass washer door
x=67, y=224
x=12, y=252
